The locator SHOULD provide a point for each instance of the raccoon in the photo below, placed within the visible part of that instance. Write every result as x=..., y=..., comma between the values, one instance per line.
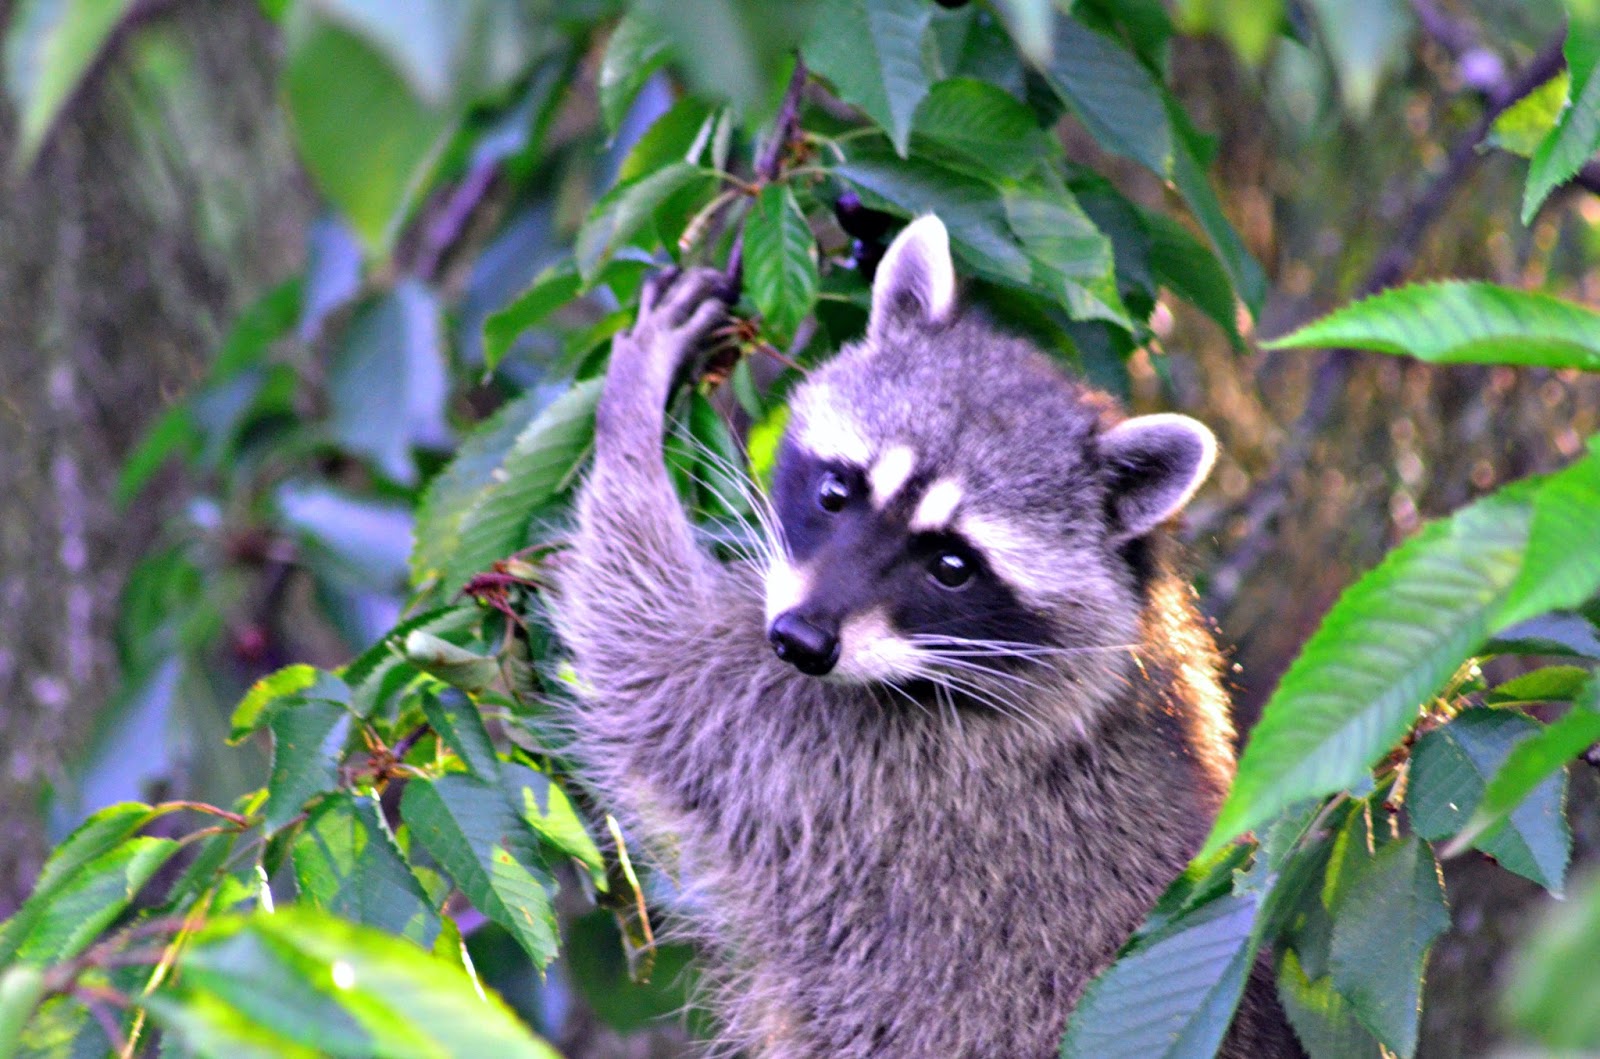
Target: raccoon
x=923, y=767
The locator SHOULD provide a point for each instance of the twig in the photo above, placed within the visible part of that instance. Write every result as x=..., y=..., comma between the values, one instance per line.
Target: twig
x=445, y=228
x=1268, y=498
x=95, y=999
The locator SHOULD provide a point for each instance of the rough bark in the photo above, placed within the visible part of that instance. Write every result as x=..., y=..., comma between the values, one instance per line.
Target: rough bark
x=150, y=215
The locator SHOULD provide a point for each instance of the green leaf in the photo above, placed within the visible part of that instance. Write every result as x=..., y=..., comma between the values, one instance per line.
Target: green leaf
x=99, y=892
x=1526, y=769
x=1189, y=176
x=1173, y=994
x=387, y=383
x=1561, y=569
x=50, y=46
x=456, y=666
x=456, y=720
x=1450, y=767
x=780, y=260
x=1364, y=39
x=540, y=465
x=1390, y=912
x=289, y=682
x=1392, y=639
x=96, y=837
x=1461, y=323
x=970, y=208
x=1028, y=22
x=347, y=863
x=678, y=135
x=1521, y=126
x=298, y=982
x=1576, y=135
x=1072, y=259
x=452, y=492
x=555, y=287
x=1549, y=684
x=1321, y=1017
x=741, y=51
x=626, y=212
x=634, y=53
x=549, y=811
x=307, y=737
x=1182, y=264
x=487, y=847
x=872, y=51
x=1115, y=97
x=979, y=125
x=175, y=433
x=21, y=988
x=1250, y=28
x=1554, y=994
x=335, y=81
x=381, y=672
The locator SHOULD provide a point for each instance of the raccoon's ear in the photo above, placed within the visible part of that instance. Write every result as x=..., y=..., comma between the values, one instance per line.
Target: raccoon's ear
x=1156, y=463
x=916, y=282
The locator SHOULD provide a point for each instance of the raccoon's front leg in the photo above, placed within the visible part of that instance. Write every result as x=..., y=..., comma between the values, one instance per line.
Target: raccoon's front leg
x=641, y=606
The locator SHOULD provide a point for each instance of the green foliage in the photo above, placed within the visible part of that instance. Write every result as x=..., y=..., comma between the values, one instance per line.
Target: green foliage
x=389, y=440
x=1461, y=323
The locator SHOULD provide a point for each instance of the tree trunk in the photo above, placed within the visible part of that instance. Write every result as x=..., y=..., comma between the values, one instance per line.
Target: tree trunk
x=165, y=198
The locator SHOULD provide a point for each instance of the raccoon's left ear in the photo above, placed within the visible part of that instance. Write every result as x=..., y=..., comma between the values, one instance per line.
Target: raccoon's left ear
x=916, y=281
x=1156, y=464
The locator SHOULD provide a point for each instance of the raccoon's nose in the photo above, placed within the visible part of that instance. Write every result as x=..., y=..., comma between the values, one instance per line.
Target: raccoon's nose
x=810, y=649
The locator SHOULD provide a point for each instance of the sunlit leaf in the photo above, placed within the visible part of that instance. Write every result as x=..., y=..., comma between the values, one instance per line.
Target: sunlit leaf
x=1561, y=569
x=1451, y=765
x=98, y=893
x=1524, y=124
x=1392, y=639
x=50, y=45
x=296, y=680
x=1461, y=323
x=96, y=837
x=298, y=982
x=1576, y=135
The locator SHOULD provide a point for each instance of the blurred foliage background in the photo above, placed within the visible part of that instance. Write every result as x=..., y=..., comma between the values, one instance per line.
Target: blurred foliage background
x=248, y=253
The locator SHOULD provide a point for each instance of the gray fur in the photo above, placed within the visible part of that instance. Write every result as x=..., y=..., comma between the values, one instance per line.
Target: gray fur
x=879, y=878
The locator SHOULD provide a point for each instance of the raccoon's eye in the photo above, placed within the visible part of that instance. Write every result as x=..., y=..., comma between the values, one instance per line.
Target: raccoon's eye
x=950, y=569
x=834, y=492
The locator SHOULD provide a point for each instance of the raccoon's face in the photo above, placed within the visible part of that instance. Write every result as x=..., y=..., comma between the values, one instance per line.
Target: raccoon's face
x=952, y=504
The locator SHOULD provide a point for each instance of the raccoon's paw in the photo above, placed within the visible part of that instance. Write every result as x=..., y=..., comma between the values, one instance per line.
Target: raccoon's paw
x=677, y=312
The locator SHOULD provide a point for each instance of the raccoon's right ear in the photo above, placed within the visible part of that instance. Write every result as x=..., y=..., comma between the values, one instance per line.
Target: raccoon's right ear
x=1156, y=463
x=916, y=281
